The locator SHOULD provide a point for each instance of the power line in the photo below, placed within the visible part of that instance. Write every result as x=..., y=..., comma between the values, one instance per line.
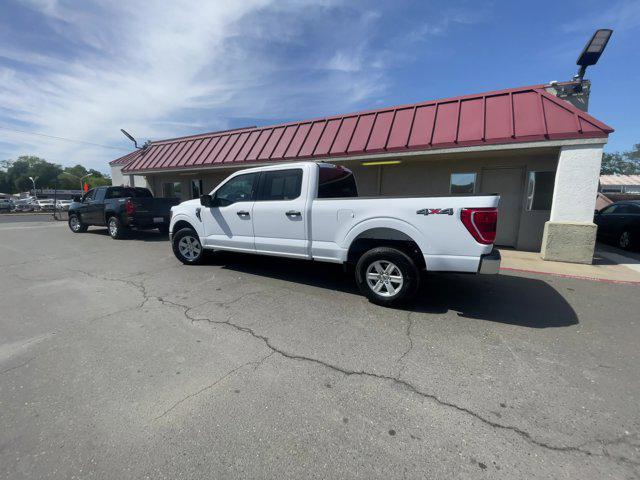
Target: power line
x=64, y=139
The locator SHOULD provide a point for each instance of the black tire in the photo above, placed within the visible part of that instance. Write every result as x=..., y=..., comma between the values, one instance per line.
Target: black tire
x=187, y=247
x=76, y=225
x=116, y=230
x=392, y=289
x=626, y=240
x=164, y=229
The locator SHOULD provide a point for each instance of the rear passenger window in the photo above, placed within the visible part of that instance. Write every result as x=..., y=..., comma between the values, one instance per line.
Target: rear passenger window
x=336, y=182
x=116, y=192
x=281, y=185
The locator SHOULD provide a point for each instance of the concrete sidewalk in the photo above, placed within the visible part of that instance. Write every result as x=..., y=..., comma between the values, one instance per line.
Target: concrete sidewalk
x=610, y=265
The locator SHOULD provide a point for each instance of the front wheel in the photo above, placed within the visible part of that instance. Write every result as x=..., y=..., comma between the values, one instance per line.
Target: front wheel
x=387, y=276
x=187, y=247
x=76, y=225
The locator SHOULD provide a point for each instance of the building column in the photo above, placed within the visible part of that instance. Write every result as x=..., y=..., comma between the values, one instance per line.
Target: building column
x=570, y=234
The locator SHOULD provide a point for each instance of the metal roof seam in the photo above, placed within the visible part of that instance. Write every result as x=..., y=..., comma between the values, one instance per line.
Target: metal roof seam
x=544, y=117
x=413, y=119
x=393, y=121
x=513, y=116
x=336, y=135
x=455, y=140
x=324, y=127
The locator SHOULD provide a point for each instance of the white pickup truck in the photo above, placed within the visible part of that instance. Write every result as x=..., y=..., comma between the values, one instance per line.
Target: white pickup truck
x=311, y=211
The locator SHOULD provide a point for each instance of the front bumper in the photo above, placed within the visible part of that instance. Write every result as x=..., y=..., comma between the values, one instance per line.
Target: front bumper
x=490, y=263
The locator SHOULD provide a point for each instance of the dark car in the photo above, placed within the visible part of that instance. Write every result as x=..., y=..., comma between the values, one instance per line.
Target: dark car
x=120, y=208
x=620, y=223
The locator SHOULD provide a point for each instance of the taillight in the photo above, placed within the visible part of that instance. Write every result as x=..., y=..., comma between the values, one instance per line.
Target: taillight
x=481, y=223
x=129, y=207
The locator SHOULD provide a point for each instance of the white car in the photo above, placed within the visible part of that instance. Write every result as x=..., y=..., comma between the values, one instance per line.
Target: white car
x=63, y=204
x=45, y=204
x=311, y=211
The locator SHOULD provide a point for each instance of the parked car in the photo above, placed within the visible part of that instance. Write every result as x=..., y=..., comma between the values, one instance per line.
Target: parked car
x=312, y=211
x=620, y=223
x=25, y=205
x=63, y=204
x=6, y=205
x=120, y=208
x=45, y=205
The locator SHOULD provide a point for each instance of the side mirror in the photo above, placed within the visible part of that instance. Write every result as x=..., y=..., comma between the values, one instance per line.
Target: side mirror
x=77, y=198
x=596, y=212
x=206, y=200
x=209, y=201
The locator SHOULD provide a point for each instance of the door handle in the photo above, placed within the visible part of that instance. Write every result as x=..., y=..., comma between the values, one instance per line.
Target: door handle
x=293, y=213
x=243, y=213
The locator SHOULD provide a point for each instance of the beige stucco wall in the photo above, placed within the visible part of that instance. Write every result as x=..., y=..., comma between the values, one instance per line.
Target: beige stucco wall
x=119, y=179
x=421, y=176
x=431, y=176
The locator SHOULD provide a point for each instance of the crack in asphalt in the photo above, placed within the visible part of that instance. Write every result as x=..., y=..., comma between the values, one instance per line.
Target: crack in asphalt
x=255, y=363
x=409, y=322
x=579, y=449
x=17, y=366
x=137, y=285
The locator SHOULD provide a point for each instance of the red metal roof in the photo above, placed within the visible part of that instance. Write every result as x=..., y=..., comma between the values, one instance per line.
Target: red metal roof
x=125, y=158
x=507, y=116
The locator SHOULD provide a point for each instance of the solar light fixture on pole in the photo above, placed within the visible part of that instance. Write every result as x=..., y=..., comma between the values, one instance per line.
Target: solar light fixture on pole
x=33, y=180
x=592, y=51
x=130, y=137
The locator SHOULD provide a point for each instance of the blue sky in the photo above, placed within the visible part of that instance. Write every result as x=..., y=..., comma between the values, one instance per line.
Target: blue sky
x=83, y=70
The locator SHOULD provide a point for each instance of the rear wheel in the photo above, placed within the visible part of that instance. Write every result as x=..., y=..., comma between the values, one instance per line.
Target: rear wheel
x=164, y=229
x=387, y=276
x=626, y=240
x=76, y=225
x=116, y=229
x=187, y=247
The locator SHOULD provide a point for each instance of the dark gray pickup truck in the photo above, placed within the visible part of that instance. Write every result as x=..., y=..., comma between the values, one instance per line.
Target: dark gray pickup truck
x=120, y=208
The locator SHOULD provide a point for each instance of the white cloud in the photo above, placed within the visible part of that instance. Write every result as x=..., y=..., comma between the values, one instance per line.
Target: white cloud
x=162, y=69
x=621, y=16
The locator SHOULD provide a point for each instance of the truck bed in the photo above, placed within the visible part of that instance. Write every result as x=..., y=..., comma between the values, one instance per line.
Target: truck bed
x=443, y=239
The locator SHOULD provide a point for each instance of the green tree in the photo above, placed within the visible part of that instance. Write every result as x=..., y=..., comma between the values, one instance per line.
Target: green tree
x=626, y=163
x=14, y=175
x=5, y=186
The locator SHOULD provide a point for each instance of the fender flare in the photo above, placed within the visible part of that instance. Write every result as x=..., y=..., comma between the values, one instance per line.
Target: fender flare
x=390, y=223
x=196, y=225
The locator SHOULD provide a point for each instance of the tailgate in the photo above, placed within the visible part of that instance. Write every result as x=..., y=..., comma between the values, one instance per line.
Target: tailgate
x=153, y=210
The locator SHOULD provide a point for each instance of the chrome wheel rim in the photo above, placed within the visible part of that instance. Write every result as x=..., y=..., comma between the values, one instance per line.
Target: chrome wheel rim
x=113, y=227
x=384, y=278
x=624, y=240
x=189, y=247
x=75, y=223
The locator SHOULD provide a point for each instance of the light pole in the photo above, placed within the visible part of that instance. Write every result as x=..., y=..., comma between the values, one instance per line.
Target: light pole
x=33, y=180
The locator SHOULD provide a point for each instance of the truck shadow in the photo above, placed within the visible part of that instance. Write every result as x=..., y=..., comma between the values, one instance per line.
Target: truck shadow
x=508, y=299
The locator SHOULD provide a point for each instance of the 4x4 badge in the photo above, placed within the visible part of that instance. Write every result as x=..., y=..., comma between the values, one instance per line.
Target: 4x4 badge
x=435, y=211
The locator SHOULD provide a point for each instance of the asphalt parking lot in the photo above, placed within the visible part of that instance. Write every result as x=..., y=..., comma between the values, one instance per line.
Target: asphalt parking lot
x=116, y=361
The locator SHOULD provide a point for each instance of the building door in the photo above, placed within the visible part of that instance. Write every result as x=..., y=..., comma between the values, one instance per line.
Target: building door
x=508, y=183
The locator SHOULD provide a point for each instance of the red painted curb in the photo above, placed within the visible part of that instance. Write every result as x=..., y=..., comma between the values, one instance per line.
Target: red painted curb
x=578, y=277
